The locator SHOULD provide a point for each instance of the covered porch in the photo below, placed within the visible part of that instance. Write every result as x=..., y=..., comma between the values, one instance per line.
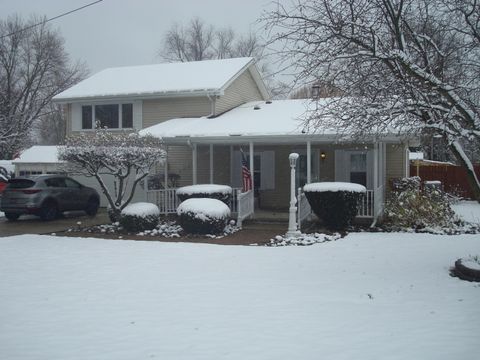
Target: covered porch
x=218, y=161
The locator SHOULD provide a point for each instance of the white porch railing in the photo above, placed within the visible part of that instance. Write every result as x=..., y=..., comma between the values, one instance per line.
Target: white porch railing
x=365, y=204
x=245, y=205
x=168, y=201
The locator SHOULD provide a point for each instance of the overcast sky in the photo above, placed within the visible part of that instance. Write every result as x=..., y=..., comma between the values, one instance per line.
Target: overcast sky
x=129, y=32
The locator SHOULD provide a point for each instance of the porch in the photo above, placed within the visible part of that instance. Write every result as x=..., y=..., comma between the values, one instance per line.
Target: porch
x=199, y=162
x=242, y=206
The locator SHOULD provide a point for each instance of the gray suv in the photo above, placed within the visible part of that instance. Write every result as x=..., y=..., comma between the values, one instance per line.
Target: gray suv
x=47, y=196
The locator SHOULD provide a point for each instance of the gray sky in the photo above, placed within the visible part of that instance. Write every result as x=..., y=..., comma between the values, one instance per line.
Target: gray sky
x=129, y=32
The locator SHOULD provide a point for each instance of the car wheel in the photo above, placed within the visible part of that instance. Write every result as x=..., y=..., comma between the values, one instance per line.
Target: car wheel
x=49, y=211
x=12, y=216
x=92, y=207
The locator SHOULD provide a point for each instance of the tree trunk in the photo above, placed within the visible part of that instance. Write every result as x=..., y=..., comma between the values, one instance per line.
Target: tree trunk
x=472, y=178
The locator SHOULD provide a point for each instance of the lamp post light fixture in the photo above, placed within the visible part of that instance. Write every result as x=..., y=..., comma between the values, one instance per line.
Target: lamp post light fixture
x=292, y=219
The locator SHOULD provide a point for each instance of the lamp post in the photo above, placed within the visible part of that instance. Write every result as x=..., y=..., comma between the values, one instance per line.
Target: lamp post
x=292, y=221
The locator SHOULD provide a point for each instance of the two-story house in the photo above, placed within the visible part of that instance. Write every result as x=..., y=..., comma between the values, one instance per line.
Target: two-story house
x=207, y=111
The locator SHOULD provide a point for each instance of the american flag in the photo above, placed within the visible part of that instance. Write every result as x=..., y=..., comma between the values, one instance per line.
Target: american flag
x=246, y=174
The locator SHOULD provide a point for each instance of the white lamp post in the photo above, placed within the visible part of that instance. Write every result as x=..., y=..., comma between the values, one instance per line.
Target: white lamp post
x=292, y=221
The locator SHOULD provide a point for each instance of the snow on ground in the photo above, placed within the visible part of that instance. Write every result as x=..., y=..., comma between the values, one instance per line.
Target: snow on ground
x=468, y=210
x=365, y=296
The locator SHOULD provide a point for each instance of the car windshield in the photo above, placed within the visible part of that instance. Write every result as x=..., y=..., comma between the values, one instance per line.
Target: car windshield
x=20, y=184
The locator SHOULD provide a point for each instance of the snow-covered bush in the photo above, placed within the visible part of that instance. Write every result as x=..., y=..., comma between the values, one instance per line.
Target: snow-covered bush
x=139, y=216
x=335, y=203
x=124, y=156
x=210, y=191
x=412, y=207
x=203, y=216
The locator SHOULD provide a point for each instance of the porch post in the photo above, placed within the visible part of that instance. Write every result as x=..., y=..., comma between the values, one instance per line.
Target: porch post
x=211, y=163
x=309, y=162
x=194, y=164
x=250, y=150
x=165, y=171
x=375, y=165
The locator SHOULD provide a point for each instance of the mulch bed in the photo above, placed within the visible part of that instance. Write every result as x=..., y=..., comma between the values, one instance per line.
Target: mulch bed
x=241, y=237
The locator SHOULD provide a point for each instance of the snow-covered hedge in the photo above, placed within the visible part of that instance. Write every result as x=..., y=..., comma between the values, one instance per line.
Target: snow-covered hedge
x=139, y=216
x=410, y=207
x=203, y=216
x=210, y=191
x=335, y=203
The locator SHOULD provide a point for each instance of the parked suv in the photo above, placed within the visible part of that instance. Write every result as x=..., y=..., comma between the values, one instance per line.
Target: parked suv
x=47, y=196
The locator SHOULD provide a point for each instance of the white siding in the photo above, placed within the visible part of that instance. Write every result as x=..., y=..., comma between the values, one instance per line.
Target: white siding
x=159, y=110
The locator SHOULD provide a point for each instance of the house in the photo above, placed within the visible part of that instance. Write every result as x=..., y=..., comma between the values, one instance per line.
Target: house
x=207, y=111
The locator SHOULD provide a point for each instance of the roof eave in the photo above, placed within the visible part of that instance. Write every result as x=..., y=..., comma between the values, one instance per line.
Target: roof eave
x=140, y=96
x=276, y=139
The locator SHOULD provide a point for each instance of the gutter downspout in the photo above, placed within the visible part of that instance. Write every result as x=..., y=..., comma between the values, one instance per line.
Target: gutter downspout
x=213, y=102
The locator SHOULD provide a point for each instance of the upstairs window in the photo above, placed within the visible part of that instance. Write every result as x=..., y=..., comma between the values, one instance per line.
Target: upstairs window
x=112, y=116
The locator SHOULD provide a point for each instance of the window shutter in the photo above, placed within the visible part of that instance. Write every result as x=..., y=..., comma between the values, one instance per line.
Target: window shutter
x=76, y=117
x=137, y=115
x=236, y=170
x=341, y=165
x=267, y=170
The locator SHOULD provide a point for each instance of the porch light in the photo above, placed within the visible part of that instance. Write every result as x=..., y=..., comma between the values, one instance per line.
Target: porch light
x=293, y=160
x=323, y=156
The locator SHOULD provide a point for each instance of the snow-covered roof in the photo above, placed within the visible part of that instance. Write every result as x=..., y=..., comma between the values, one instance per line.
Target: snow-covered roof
x=38, y=154
x=256, y=118
x=168, y=79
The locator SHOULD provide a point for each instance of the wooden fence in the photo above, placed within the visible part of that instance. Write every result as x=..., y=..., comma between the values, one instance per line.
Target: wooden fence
x=453, y=178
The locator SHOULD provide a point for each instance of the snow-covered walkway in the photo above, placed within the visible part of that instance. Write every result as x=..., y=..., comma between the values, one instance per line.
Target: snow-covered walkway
x=367, y=296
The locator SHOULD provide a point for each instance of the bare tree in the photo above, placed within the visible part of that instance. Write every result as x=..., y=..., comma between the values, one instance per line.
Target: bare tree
x=34, y=67
x=189, y=43
x=404, y=65
x=52, y=126
x=199, y=41
x=125, y=156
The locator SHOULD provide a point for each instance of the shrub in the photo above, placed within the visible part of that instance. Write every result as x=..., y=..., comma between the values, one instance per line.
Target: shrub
x=139, y=217
x=203, y=216
x=335, y=203
x=412, y=207
x=210, y=191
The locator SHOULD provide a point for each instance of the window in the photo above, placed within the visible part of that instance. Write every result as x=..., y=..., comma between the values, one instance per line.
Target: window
x=358, y=169
x=127, y=116
x=29, y=172
x=87, y=117
x=55, y=182
x=107, y=116
x=72, y=184
x=112, y=116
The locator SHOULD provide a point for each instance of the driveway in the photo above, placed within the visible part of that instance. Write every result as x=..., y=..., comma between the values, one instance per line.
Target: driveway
x=33, y=225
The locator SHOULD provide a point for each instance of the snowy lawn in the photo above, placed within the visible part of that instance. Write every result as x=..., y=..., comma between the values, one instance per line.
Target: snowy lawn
x=366, y=296
x=468, y=210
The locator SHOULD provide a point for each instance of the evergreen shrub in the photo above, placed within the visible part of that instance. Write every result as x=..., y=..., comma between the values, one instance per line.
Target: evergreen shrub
x=203, y=216
x=336, y=204
x=139, y=217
